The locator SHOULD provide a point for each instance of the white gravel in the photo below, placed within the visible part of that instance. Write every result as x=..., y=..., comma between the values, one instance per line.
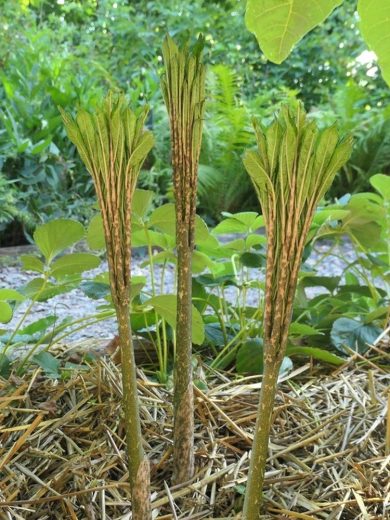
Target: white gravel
x=77, y=305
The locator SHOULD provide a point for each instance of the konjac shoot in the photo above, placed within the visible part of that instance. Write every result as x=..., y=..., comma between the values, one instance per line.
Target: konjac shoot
x=291, y=170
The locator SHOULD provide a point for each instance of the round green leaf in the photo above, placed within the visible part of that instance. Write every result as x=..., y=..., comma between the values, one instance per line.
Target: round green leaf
x=165, y=306
x=74, y=263
x=164, y=218
x=11, y=295
x=95, y=233
x=381, y=183
x=200, y=262
x=5, y=312
x=54, y=237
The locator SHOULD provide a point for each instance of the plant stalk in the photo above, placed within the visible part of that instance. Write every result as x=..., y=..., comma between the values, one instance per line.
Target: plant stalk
x=253, y=496
x=113, y=145
x=183, y=435
x=291, y=170
x=139, y=471
x=183, y=87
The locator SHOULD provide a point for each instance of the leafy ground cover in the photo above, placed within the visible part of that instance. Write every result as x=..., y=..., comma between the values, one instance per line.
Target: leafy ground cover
x=332, y=314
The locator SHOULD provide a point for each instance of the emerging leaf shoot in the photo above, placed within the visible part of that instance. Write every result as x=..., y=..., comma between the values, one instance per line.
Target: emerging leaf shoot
x=291, y=170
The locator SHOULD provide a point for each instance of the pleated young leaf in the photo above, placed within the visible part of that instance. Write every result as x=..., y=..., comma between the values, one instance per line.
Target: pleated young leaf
x=183, y=88
x=113, y=145
x=292, y=168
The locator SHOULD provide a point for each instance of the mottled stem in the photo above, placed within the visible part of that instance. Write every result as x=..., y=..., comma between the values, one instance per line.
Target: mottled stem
x=183, y=439
x=139, y=473
x=253, y=495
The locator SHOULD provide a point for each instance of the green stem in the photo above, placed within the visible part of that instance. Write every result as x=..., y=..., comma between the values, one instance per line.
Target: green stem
x=253, y=494
x=151, y=263
x=139, y=472
x=226, y=351
x=94, y=320
x=25, y=314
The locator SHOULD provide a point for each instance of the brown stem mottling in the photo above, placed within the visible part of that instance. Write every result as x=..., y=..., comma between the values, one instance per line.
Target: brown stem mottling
x=102, y=141
x=289, y=194
x=184, y=99
x=183, y=440
x=139, y=473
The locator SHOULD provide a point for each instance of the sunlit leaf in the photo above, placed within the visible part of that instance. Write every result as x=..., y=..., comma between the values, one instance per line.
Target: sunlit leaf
x=5, y=312
x=279, y=24
x=11, y=295
x=74, y=263
x=95, y=233
x=374, y=25
x=32, y=263
x=165, y=306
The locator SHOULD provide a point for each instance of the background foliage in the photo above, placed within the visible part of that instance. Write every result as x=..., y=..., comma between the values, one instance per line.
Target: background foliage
x=69, y=52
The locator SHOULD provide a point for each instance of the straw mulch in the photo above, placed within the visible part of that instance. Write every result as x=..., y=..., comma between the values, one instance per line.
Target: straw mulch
x=62, y=448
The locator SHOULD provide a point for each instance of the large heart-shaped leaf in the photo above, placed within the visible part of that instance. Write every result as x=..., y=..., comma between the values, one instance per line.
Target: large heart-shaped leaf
x=374, y=25
x=279, y=24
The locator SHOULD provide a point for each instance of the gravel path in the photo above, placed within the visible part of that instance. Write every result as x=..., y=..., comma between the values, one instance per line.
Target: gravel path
x=76, y=304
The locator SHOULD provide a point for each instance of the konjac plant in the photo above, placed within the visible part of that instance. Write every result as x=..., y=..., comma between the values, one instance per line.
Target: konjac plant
x=183, y=86
x=291, y=170
x=113, y=145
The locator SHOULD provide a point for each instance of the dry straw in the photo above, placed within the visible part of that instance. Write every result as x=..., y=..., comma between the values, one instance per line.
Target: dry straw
x=63, y=449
